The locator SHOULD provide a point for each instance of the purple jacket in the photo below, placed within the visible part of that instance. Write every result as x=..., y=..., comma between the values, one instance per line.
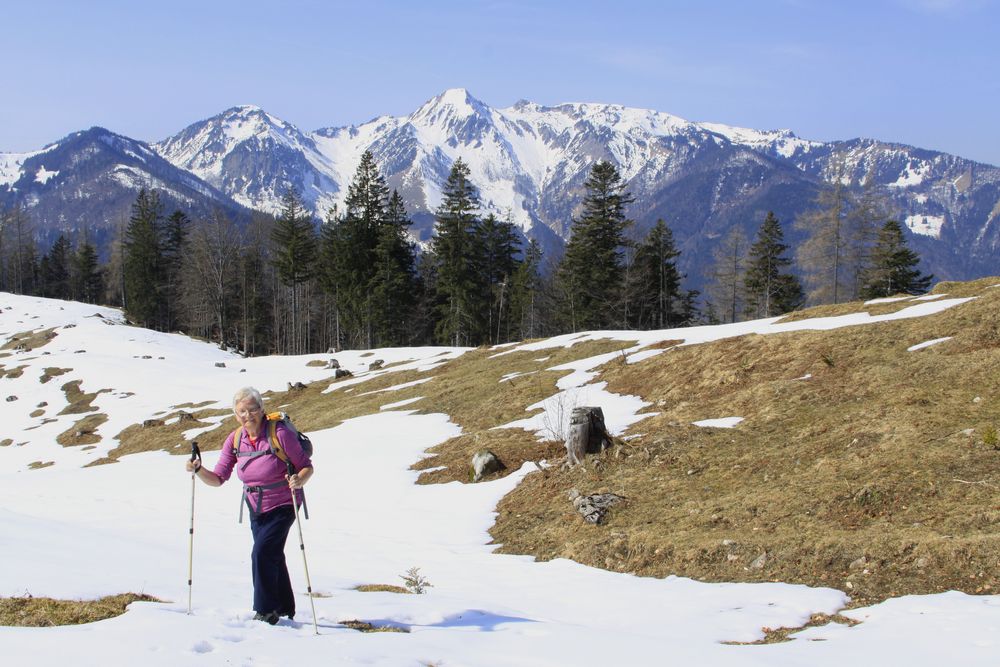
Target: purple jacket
x=263, y=471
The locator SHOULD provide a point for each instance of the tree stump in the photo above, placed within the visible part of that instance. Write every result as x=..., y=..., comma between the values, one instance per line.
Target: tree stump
x=587, y=434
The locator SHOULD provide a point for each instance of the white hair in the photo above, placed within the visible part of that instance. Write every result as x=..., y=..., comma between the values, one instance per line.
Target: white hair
x=245, y=393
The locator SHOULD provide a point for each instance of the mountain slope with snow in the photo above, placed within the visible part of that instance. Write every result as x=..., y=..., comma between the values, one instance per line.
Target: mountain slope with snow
x=530, y=163
x=72, y=530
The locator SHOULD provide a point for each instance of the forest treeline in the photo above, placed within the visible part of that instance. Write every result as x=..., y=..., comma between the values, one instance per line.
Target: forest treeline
x=287, y=284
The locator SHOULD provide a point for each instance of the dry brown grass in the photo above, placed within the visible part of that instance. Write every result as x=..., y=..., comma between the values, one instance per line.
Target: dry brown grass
x=160, y=436
x=778, y=635
x=38, y=465
x=82, y=432
x=52, y=372
x=29, y=340
x=78, y=401
x=365, y=626
x=35, y=612
x=381, y=588
x=12, y=373
x=867, y=477
x=470, y=391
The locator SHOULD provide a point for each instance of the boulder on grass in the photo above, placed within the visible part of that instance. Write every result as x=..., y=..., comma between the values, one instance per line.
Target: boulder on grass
x=485, y=462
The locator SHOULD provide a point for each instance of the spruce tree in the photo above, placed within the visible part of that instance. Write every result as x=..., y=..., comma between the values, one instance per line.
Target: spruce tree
x=769, y=290
x=353, y=239
x=459, y=290
x=894, y=266
x=144, y=260
x=590, y=273
x=393, y=286
x=499, y=247
x=55, y=269
x=87, y=275
x=255, y=277
x=174, y=235
x=524, y=307
x=656, y=300
x=294, y=257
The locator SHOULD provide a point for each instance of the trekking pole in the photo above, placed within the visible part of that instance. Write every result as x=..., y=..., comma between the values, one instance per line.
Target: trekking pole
x=195, y=456
x=302, y=546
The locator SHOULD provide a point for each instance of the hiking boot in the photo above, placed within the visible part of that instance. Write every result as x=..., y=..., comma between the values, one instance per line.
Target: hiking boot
x=271, y=617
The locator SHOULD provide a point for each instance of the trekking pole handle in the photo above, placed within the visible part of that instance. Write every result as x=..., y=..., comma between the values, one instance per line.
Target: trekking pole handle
x=195, y=452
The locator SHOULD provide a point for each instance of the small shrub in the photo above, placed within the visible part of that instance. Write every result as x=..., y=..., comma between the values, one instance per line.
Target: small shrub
x=415, y=582
x=990, y=438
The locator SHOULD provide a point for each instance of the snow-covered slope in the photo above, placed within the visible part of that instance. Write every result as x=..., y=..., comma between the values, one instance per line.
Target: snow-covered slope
x=79, y=532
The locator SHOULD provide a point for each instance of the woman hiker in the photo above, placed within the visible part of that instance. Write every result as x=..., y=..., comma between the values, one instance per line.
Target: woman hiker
x=267, y=492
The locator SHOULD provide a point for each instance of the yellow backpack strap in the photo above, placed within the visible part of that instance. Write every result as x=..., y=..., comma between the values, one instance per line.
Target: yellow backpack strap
x=272, y=435
x=237, y=436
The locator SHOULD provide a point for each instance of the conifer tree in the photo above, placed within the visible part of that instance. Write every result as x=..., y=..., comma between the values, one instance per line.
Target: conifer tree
x=393, y=286
x=256, y=280
x=499, y=247
x=174, y=235
x=144, y=260
x=87, y=275
x=864, y=220
x=294, y=256
x=894, y=266
x=352, y=239
x=458, y=287
x=55, y=269
x=590, y=273
x=656, y=299
x=524, y=305
x=768, y=289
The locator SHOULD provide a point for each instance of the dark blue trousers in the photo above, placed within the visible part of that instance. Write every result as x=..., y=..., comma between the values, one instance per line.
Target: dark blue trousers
x=272, y=589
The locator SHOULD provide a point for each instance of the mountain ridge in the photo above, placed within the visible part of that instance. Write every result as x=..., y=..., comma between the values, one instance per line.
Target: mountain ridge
x=529, y=163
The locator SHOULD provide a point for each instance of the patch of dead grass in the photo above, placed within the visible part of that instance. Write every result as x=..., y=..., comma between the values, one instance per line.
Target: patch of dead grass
x=779, y=635
x=12, y=373
x=29, y=340
x=83, y=432
x=867, y=476
x=381, y=588
x=79, y=402
x=158, y=435
x=52, y=372
x=44, y=612
x=38, y=465
x=365, y=626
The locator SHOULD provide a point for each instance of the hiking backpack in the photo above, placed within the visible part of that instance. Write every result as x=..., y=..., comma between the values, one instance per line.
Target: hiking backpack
x=273, y=419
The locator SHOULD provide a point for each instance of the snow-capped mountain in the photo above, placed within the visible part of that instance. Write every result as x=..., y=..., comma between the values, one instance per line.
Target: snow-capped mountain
x=90, y=179
x=530, y=162
x=253, y=157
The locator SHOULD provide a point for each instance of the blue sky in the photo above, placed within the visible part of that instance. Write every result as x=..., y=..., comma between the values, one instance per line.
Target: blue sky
x=922, y=72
